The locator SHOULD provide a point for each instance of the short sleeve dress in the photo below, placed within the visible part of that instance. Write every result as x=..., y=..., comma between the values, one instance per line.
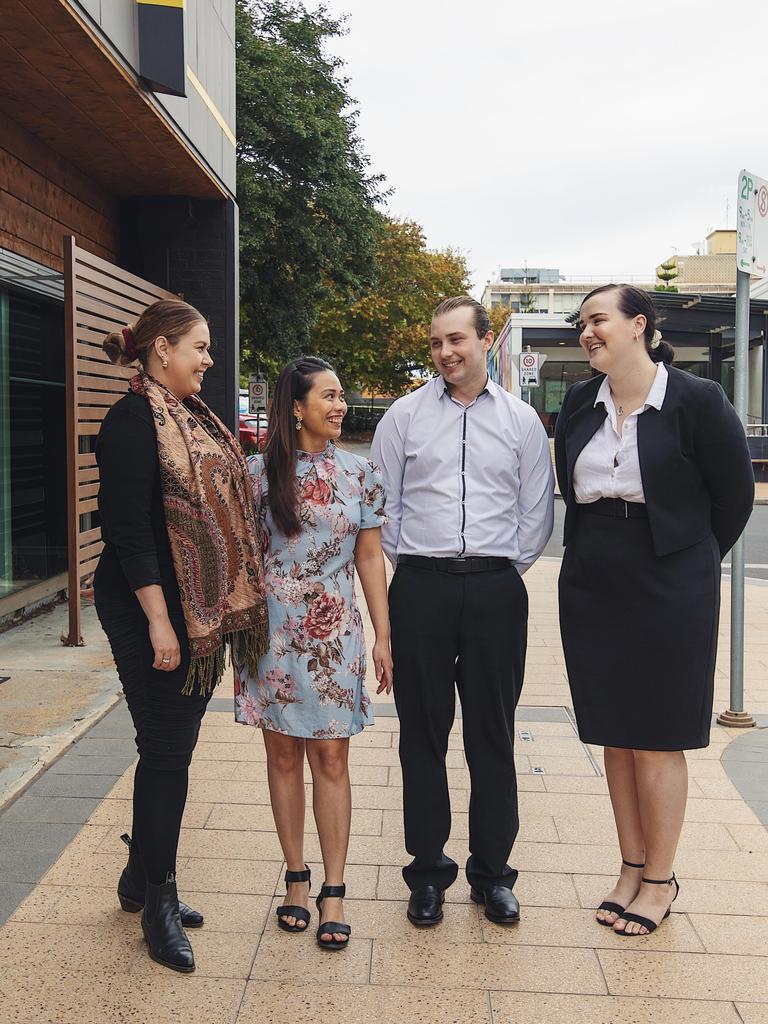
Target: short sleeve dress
x=311, y=682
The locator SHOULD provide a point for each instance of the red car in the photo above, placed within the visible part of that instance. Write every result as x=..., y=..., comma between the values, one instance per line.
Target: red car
x=249, y=426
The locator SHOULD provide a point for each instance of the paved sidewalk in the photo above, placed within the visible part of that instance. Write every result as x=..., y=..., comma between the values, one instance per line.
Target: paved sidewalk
x=70, y=956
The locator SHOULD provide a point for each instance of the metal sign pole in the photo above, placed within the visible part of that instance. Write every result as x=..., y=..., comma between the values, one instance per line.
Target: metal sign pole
x=736, y=716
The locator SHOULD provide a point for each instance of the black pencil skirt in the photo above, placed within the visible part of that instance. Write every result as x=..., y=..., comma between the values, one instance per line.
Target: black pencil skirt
x=639, y=633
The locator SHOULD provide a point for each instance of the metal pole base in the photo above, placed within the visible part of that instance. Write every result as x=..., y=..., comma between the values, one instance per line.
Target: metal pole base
x=736, y=719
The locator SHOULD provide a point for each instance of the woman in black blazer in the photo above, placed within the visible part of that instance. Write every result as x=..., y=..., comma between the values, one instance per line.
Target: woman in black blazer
x=654, y=468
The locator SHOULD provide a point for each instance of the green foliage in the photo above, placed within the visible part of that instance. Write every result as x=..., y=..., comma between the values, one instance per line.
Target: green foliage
x=667, y=272
x=380, y=340
x=666, y=288
x=308, y=219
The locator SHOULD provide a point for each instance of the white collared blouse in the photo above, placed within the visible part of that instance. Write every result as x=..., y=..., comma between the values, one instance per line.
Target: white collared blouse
x=608, y=466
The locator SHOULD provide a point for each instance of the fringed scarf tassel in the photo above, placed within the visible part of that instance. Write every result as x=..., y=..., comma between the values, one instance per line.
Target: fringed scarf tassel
x=247, y=647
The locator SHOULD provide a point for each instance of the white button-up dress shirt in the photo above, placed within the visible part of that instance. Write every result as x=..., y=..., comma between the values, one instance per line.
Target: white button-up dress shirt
x=460, y=481
x=608, y=465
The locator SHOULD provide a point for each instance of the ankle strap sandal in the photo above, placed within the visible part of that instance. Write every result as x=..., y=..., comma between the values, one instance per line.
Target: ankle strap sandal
x=332, y=927
x=289, y=910
x=646, y=922
x=614, y=908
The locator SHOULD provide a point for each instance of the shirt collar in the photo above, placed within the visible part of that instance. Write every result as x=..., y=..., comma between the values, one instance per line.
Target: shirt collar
x=655, y=395
x=442, y=387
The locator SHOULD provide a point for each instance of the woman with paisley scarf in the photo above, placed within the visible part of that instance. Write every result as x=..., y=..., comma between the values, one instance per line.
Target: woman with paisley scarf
x=179, y=581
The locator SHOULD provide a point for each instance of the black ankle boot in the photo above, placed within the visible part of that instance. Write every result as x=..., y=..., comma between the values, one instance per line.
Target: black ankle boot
x=130, y=890
x=161, y=924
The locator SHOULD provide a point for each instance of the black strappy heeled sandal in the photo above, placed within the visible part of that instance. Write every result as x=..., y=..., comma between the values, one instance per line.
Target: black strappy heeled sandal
x=646, y=922
x=300, y=913
x=614, y=908
x=332, y=927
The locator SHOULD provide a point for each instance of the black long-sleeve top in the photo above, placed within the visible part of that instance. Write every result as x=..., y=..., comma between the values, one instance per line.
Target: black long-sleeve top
x=136, y=552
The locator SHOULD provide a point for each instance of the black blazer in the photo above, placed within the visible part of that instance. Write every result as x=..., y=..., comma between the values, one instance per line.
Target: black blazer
x=694, y=461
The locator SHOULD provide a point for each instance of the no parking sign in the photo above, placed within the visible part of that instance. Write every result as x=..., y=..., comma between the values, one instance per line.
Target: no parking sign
x=529, y=369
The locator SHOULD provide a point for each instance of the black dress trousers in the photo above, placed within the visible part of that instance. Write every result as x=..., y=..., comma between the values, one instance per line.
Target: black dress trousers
x=468, y=632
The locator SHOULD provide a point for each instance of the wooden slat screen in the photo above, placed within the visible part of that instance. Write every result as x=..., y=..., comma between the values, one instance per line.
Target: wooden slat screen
x=99, y=298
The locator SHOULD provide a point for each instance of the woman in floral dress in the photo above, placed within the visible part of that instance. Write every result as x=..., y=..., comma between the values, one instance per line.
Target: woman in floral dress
x=321, y=510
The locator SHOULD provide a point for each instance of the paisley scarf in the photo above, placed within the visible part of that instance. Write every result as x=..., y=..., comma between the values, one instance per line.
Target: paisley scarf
x=213, y=533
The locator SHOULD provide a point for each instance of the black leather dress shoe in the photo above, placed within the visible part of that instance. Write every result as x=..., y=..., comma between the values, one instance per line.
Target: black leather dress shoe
x=501, y=904
x=425, y=907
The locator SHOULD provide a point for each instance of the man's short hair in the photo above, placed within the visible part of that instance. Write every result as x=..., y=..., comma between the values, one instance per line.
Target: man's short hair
x=482, y=320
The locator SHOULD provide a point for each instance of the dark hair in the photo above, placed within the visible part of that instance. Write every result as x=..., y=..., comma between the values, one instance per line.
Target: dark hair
x=636, y=302
x=169, y=318
x=293, y=384
x=482, y=320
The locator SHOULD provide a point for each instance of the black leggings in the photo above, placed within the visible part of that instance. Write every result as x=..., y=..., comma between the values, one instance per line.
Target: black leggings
x=167, y=726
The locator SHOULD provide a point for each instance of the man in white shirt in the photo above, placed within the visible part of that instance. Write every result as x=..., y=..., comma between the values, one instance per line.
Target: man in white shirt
x=470, y=498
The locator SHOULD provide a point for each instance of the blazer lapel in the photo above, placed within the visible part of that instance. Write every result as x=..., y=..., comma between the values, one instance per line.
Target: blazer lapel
x=582, y=425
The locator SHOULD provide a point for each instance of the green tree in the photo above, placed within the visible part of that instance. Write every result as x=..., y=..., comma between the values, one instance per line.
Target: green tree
x=308, y=219
x=667, y=272
x=380, y=341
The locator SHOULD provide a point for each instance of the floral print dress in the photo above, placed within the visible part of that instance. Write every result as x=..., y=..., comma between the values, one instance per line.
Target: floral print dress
x=311, y=682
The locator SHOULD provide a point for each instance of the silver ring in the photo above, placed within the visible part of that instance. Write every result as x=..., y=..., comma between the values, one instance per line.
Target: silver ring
x=166, y=660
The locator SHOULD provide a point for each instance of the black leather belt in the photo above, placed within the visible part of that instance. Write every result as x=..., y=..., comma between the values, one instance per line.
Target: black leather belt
x=473, y=563
x=615, y=508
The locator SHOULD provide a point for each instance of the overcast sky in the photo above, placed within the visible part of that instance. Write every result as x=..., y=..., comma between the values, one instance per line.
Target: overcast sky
x=595, y=136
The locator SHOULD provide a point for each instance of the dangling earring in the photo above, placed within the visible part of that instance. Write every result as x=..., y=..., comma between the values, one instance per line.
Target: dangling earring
x=298, y=423
x=165, y=361
x=635, y=337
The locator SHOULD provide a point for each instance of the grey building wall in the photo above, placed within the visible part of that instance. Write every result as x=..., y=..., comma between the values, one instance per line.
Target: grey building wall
x=210, y=54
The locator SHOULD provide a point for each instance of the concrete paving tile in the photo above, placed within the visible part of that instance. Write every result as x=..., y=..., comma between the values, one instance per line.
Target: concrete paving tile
x=696, y=835
x=689, y=975
x=118, y=999
x=529, y=1008
x=225, y=752
x=546, y=744
x=373, y=738
x=576, y=785
x=258, y=818
x=26, y=866
x=115, y=765
x=214, y=769
x=266, y=1002
x=120, y=813
x=749, y=837
x=234, y=791
x=38, y=904
x=93, y=746
x=257, y=878
x=553, y=926
x=52, y=784
x=697, y=896
x=64, y=948
x=217, y=955
x=530, y=783
x=717, y=788
x=307, y=961
x=579, y=766
x=753, y=1013
x=391, y=798
x=37, y=835
x=86, y=869
x=542, y=729
x=221, y=844
x=706, y=770
x=11, y=895
x=487, y=966
x=55, y=809
x=730, y=933
x=234, y=734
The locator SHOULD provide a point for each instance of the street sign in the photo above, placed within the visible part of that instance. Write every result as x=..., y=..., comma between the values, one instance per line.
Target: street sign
x=529, y=369
x=257, y=395
x=752, y=225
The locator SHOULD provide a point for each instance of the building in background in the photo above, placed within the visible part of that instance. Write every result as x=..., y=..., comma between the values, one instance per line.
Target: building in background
x=117, y=123
x=543, y=290
x=709, y=271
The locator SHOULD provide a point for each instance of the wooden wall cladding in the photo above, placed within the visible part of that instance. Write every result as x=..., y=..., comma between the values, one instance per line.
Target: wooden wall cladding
x=44, y=199
x=99, y=298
